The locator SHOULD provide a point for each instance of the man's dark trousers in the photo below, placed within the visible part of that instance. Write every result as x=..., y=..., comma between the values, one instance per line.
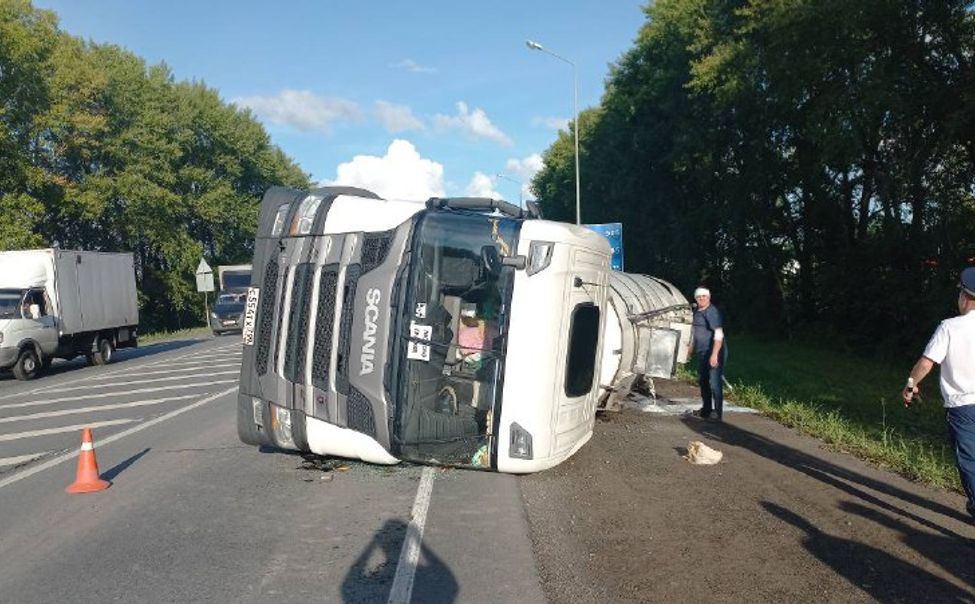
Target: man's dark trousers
x=709, y=379
x=961, y=429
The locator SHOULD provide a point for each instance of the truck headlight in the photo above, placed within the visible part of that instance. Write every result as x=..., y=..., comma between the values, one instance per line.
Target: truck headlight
x=520, y=446
x=281, y=427
x=539, y=256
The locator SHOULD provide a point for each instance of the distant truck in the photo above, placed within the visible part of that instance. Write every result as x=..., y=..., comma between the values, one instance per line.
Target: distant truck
x=63, y=304
x=234, y=277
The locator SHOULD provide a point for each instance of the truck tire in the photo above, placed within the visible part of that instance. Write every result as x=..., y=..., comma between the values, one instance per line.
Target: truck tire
x=26, y=366
x=104, y=354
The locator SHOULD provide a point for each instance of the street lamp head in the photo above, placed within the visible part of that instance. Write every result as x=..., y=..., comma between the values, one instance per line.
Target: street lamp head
x=533, y=45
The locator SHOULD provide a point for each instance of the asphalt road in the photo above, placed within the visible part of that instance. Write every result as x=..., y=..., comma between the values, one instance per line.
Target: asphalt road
x=194, y=515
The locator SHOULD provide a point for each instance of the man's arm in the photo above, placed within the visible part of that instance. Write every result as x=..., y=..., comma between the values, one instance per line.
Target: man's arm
x=920, y=371
x=716, y=348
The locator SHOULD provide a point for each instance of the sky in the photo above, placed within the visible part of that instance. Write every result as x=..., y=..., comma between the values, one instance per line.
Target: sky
x=407, y=99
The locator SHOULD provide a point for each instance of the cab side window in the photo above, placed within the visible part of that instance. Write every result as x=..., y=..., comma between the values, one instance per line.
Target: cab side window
x=35, y=296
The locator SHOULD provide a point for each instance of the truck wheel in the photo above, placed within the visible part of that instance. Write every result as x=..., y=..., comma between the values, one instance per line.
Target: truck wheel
x=26, y=366
x=105, y=352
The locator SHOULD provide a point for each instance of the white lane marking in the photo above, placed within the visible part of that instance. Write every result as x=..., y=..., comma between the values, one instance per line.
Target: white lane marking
x=13, y=461
x=195, y=363
x=149, y=360
x=95, y=409
x=188, y=369
x=47, y=431
x=133, y=382
x=51, y=401
x=402, y=589
x=114, y=437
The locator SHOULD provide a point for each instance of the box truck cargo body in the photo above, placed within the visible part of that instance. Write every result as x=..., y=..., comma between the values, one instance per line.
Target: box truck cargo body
x=62, y=304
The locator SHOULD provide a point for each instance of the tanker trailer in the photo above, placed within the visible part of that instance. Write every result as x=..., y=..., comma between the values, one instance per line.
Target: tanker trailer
x=647, y=329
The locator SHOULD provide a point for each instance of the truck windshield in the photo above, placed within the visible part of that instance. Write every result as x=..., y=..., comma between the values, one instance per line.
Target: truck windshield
x=10, y=303
x=453, y=336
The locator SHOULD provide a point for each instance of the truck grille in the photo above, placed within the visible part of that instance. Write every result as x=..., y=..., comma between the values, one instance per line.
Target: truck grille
x=359, y=413
x=294, y=354
x=281, y=312
x=375, y=247
x=352, y=274
x=324, y=319
x=267, y=316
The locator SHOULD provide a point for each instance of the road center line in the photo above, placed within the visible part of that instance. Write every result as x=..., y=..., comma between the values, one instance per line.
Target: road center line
x=114, y=437
x=409, y=556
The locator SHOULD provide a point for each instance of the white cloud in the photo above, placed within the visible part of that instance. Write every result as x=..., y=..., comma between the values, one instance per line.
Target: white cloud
x=551, y=122
x=397, y=118
x=524, y=170
x=412, y=66
x=400, y=174
x=301, y=109
x=474, y=123
x=482, y=185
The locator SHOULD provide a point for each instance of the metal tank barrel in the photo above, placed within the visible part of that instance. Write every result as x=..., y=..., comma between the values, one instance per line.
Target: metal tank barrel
x=647, y=329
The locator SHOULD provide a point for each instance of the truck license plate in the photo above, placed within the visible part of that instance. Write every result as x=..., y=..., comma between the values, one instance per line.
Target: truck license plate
x=250, y=315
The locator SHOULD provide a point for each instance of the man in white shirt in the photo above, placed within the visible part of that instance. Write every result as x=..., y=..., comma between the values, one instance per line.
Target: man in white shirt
x=953, y=347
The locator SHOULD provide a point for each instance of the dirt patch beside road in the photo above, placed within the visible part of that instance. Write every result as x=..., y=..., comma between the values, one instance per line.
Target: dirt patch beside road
x=779, y=519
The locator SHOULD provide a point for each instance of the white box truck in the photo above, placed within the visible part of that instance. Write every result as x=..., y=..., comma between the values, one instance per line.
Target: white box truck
x=62, y=304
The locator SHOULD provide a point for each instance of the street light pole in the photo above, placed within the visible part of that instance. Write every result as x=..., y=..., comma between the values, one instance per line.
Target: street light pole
x=575, y=105
x=520, y=184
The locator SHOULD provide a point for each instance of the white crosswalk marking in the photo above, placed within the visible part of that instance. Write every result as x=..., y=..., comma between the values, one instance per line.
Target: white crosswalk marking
x=171, y=371
x=95, y=409
x=77, y=428
x=134, y=382
x=19, y=459
x=51, y=401
x=195, y=363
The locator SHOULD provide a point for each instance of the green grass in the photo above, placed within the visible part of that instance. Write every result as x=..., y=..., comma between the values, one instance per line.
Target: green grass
x=851, y=402
x=161, y=336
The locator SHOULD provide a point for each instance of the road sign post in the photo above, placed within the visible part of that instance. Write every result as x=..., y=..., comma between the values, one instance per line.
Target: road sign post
x=204, y=283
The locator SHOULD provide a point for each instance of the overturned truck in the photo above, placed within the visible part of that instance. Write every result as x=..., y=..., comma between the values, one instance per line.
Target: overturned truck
x=458, y=331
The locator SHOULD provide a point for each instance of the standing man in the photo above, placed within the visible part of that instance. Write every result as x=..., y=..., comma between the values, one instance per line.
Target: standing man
x=953, y=347
x=711, y=353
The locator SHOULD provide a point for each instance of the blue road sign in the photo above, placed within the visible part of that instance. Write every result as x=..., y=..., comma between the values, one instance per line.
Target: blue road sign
x=613, y=232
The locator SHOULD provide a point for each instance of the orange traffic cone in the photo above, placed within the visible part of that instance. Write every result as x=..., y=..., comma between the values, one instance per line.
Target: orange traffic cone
x=86, y=479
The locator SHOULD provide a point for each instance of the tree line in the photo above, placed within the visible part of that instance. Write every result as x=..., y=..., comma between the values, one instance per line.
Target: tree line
x=99, y=151
x=810, y=160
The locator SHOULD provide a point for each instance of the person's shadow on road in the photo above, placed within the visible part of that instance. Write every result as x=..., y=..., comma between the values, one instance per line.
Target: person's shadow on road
x=881, y=575
x=371, y=576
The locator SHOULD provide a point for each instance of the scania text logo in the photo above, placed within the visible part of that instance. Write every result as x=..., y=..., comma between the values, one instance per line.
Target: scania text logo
x=373, y=296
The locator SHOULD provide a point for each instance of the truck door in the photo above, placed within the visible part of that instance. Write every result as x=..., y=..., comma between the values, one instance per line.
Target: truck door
x=586, y=301
x=37, y=309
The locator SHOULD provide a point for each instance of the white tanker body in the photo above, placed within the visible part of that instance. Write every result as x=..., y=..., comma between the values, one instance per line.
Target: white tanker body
x=647, y=329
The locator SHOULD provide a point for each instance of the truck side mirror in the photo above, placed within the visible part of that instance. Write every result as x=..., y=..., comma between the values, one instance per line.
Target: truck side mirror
x=491, y=259
x=35, y=311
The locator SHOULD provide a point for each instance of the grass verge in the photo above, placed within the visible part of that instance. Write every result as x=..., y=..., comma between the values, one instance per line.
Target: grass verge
x=161, y=336
x=850, y=402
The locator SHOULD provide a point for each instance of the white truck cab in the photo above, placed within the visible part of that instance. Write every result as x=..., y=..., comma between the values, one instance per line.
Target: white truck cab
x=453, y=331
